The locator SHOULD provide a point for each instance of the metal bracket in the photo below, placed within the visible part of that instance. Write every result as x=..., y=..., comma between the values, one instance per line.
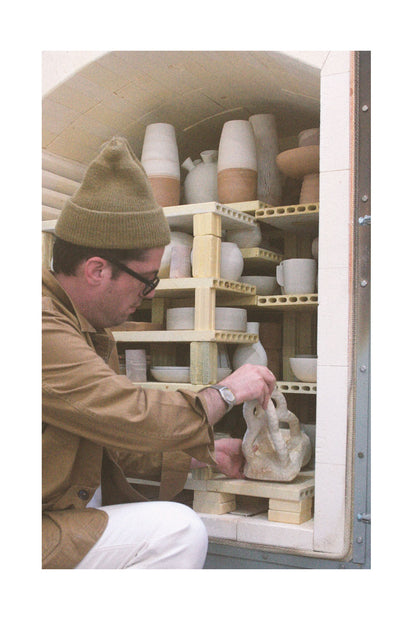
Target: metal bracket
x=364, y=220
x=364, y=517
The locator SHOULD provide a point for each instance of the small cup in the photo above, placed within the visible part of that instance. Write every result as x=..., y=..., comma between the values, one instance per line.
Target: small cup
x=297, y=275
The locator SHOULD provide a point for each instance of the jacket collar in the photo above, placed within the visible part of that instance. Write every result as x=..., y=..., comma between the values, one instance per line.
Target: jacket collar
x=52, y=287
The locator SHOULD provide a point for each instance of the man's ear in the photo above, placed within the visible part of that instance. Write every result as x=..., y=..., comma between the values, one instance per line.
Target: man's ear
x=96, y=271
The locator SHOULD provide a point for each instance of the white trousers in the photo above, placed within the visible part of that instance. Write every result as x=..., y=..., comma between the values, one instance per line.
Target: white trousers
x=149, y=535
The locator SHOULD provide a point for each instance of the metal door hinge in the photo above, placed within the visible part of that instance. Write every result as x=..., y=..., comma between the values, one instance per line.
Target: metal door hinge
x=364, y=517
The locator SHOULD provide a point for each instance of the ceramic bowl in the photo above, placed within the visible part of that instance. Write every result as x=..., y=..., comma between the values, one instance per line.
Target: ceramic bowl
x=180, y=374
x=304, y=367
x=265, y=285
x=234, y=319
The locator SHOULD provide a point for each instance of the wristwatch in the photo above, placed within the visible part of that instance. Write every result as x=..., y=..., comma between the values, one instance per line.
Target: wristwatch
x=225, y=394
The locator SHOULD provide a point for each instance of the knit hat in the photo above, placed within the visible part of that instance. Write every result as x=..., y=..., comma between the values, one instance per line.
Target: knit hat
x=114, y=207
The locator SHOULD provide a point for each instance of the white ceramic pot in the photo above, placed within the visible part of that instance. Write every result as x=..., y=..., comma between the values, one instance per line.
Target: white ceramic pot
x=231, y=261
x=269, y=179
x=251, y=353
x=265, y=285
x=237, y=163
x=200, y=185
x=304, y=368
x=297, y=275
x=177, y=239
x=246, y=238
x=233, y=319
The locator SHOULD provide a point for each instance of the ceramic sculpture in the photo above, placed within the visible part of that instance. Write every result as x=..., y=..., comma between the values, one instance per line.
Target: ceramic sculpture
x=160, y=161
x=273, y=453
x=200, y=184
x=269, y=179
x=237, y=163
x=303, y=163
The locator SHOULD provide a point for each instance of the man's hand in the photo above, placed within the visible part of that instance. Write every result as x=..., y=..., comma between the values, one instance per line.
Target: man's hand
x=229, y=457
x=251, y=382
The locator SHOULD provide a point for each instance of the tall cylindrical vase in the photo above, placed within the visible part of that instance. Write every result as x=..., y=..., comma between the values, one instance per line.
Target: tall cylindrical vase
x=252, y=353
x=269, y=179
x=161, y=163
x=237, y=163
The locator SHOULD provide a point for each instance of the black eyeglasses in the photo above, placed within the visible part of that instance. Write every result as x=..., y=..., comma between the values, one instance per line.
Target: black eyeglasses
x=150, y=284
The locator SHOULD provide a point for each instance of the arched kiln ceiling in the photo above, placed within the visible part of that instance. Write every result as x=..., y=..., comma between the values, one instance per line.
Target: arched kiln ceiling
x=123, y=92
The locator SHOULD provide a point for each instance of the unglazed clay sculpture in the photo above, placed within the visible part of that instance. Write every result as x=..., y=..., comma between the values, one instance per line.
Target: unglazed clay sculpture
x=272, y=453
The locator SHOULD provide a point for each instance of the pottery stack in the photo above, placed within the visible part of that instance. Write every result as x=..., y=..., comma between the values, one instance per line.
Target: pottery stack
x=303, y=163
x=237, y=163
x=161, y=163
x=269, y=181
x=200, y=185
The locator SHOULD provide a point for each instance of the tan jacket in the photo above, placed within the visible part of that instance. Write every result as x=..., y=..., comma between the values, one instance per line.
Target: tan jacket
x=98, y=428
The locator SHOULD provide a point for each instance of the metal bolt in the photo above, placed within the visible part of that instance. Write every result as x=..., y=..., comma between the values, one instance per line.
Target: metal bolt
x=359, y=540
x=364, y=108
x=363, y=368
x=360, y=455
x=364, y=198
x=364, y=283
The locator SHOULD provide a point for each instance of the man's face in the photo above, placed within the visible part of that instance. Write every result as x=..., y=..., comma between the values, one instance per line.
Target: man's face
x=124, y=294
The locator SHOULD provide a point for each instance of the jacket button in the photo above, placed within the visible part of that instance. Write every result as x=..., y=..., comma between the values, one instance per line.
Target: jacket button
x=83, y=494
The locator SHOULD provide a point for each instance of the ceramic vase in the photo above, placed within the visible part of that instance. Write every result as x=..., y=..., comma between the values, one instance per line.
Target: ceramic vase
x=200, y=185
x=231, y=261
x=237, y=163
x=161, y=163
x=136, y=364
x=269, y=179
x=178, y=238
x=252, y=353
x=180, y=263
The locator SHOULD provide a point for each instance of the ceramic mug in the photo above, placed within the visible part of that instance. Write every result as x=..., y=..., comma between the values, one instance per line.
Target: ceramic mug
x=297, y=275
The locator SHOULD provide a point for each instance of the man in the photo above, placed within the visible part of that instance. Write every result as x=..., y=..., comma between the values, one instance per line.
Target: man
x=98, y=427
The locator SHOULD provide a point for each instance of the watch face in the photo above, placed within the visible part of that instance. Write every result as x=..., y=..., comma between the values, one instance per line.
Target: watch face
x=228, y=395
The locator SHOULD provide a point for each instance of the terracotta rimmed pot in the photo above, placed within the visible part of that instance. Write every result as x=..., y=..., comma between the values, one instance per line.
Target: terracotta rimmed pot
x=160, y=161
x=237, y=163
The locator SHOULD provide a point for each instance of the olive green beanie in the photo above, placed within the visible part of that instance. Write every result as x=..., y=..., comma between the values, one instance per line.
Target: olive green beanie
x=114, y=207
